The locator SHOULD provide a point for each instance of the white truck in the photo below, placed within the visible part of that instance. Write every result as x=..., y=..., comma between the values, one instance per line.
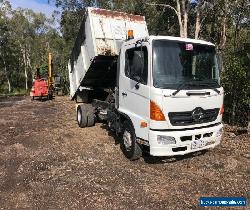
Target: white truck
x=158, y=93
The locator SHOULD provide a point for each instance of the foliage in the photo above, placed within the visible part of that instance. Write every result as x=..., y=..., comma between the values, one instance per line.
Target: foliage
x=26, y=39
x=237, y=88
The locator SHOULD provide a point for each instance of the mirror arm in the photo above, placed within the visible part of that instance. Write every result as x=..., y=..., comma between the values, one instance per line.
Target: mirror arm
x=137, y=85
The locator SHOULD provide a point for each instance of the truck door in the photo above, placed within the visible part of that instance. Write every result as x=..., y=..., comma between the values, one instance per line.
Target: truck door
x=134, y=87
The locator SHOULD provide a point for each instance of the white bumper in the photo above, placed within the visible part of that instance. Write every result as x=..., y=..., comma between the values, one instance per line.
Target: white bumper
x=185, y=140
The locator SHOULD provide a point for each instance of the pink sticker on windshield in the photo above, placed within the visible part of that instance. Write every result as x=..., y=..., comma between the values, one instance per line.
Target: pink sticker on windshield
x=189, y=47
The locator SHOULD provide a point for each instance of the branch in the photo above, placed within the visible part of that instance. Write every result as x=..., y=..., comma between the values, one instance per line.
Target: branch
x=163, y=5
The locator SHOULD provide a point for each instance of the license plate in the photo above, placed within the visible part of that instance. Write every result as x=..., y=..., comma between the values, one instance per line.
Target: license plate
x=198, y=144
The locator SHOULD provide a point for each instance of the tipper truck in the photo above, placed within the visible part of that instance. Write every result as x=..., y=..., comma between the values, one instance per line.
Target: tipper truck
x=160, y=94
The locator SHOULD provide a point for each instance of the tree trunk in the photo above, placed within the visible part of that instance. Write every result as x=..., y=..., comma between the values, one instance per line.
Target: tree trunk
x=185, y=19
x=28, y=61
x=223, y=33
x=8, y=81
x=26, y=78
x=6, y=73
x=25, y=67
x=223, y=37
x=197, y=24
x=178, y=8
x=28, y=65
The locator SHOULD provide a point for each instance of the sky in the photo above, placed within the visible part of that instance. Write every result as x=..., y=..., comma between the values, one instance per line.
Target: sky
x=35, y=5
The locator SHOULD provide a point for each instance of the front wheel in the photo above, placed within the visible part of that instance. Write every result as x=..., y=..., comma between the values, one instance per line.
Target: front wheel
x=130, y=147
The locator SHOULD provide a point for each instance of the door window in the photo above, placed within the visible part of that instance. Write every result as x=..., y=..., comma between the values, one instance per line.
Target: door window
x=136, y=64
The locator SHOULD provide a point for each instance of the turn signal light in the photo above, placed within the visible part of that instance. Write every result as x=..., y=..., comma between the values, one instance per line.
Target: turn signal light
x=130, y=34
x=155, y=112
x=144, y=124
x=222, y=109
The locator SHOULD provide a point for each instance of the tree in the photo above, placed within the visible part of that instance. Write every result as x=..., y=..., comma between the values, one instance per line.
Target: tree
x=26, y=39
x=181, y=12
x=4, y=42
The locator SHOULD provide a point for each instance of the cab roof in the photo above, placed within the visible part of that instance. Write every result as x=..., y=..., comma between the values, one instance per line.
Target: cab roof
x=197, y=41
x=151, y=38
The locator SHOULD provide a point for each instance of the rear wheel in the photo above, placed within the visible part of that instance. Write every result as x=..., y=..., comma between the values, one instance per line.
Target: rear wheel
x=85, y=116
x=90, y=115
x=81, y=117
x=130, y=147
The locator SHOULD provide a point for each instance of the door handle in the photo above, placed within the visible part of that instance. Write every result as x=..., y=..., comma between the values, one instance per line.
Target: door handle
x=124, y=94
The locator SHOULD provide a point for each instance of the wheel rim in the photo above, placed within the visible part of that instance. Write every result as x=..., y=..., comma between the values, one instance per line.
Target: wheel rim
x=127, y=140
x=79, y=116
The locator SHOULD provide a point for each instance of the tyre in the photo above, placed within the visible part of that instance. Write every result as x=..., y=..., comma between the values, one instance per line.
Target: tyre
x=50, y=96
x=90, y=116
x=129, y=145
x=85, y=115
x=81, y=116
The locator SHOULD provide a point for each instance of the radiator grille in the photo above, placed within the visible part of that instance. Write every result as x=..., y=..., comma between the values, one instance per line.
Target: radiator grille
x=197, y=116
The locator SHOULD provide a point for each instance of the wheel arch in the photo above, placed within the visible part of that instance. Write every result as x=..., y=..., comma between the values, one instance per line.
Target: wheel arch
x=124, y=117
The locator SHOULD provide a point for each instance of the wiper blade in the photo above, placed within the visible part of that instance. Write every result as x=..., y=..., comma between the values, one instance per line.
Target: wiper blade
x=181, y=86
x=216, y=90
x=211, y=82
x=196, y=83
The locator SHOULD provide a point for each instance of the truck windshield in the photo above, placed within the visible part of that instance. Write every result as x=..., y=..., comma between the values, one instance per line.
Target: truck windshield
x=176, y=63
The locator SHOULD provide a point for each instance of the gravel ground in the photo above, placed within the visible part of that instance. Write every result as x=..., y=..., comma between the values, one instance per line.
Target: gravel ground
x=48, y=162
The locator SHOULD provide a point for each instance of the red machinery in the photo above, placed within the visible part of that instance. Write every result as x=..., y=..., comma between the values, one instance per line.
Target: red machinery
x=41, y=87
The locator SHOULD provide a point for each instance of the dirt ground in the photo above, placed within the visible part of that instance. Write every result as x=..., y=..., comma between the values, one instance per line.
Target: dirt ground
x=48, y=162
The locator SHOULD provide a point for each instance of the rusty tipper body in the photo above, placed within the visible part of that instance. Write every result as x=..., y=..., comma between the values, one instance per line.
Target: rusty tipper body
x=97, y=47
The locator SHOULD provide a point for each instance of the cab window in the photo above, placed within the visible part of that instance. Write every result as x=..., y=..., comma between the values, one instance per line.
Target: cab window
x=136, y=64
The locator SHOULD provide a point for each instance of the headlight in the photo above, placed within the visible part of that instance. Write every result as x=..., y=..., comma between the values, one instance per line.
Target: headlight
x=166, y=140
x=219, y=132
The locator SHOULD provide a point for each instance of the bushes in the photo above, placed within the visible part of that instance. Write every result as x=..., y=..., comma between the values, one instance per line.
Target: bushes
x=235, y=79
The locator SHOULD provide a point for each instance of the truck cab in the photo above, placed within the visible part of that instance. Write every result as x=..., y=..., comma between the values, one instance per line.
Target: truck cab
x=169, y=88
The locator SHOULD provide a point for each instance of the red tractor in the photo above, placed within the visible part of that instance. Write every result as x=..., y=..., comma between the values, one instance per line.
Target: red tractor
x=39, y=89
x=42, y=88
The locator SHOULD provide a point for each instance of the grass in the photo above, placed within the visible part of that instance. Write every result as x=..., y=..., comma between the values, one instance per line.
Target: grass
x=15, y=92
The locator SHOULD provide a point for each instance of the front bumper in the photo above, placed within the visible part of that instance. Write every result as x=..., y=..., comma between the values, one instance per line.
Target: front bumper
x=184, y=140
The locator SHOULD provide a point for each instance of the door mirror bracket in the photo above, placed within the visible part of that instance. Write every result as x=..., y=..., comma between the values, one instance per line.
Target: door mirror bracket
x=138, y=80
x=137, y=86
